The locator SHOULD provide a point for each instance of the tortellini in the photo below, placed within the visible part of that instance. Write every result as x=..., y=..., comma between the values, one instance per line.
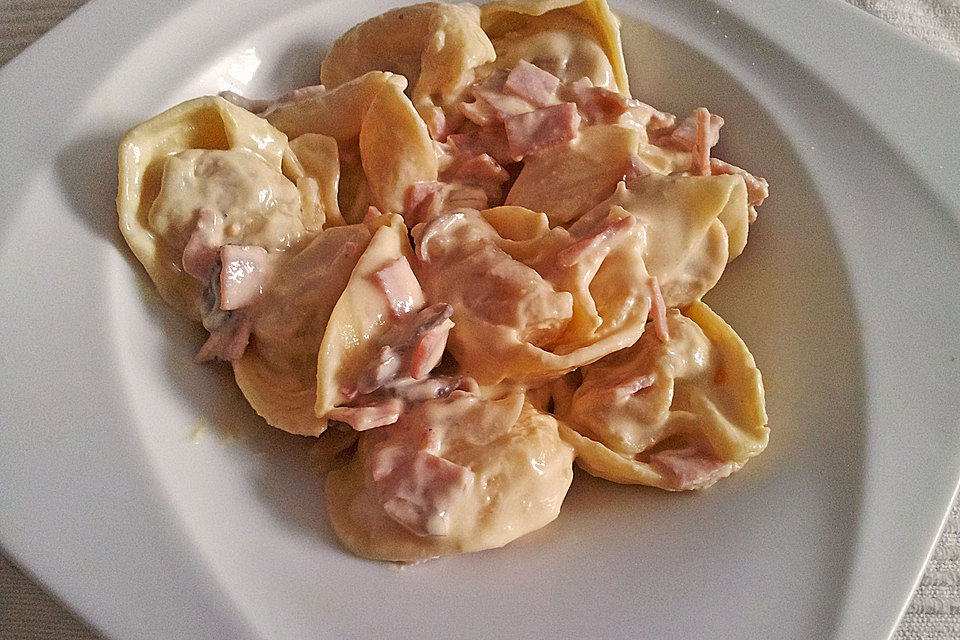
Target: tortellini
x=249, y=146
x=677, y=414
x=530, y=302
x=465, y=260
x=436, y=46
x=458, y=474
x=570, y=39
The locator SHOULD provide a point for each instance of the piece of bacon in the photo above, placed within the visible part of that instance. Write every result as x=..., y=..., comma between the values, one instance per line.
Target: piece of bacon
x=658, y=310
x=571, y=254
x=686, y=134
x=369, y=416
x=371, y=215
x=227, y=342
x=533, y=84
x=536, y=130
x=707, y=136
x=242, y=276
x=202, y=250
x=400, y=286
x=690, y=467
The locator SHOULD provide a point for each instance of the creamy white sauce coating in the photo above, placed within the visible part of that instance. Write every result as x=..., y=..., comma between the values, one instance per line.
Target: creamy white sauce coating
x=478, y=254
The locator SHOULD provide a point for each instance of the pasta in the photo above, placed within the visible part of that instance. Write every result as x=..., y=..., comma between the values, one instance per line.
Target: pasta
x=466, y=261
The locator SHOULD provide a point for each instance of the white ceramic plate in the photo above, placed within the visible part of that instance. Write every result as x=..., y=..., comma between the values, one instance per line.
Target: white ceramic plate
x=848, y=295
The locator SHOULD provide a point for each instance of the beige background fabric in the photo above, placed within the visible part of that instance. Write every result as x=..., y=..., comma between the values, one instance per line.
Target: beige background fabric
x=28, y=613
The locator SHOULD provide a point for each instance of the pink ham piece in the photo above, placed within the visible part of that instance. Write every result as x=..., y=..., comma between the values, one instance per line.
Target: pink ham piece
x=202, y=250
x=411, y=348
x=598, y=105
x=571, y=254
x=504, y=104
x=400, y=286
x=689, y=468
x=489, y=140
x=418, y=489
x=368, y=416
x=536, y=130
x=227, y=342
x=482, y=170
x=242, y=276
x=533, y=84
x=658, y=310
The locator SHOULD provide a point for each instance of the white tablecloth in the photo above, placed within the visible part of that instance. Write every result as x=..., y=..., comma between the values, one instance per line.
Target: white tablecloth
x=28, y=613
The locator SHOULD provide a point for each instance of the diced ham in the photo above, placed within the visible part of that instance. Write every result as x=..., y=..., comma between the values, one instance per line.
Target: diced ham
x=202, y=250
x=242, y=275
x=625, y=389
x=536, y=130
x=658, y=310
x=597, y=104
x=411, y=348
x=533, y=84
x=369, y=416
x=757, y=188
x=227, y=342
x=689, y=468
x=636, y=168
x=418, y=198
x=428, y=350
x=418, y=489
x=482, y=170
x=504, y=104
x=489, y=140
x=400, y=286
x=571, y=254
x=436, y=121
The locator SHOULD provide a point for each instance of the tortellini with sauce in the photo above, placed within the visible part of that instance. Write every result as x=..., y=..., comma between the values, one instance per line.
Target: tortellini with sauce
x=467, y=259
x=676, y=413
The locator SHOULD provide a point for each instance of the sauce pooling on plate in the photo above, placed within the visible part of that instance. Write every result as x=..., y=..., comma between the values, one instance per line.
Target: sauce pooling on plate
x=474, y=256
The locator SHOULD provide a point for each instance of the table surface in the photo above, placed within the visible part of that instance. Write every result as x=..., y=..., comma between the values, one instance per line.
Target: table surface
x=29, y=613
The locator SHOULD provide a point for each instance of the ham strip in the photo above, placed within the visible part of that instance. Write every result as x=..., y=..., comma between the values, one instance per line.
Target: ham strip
x=536, y=130
x=598, y=105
